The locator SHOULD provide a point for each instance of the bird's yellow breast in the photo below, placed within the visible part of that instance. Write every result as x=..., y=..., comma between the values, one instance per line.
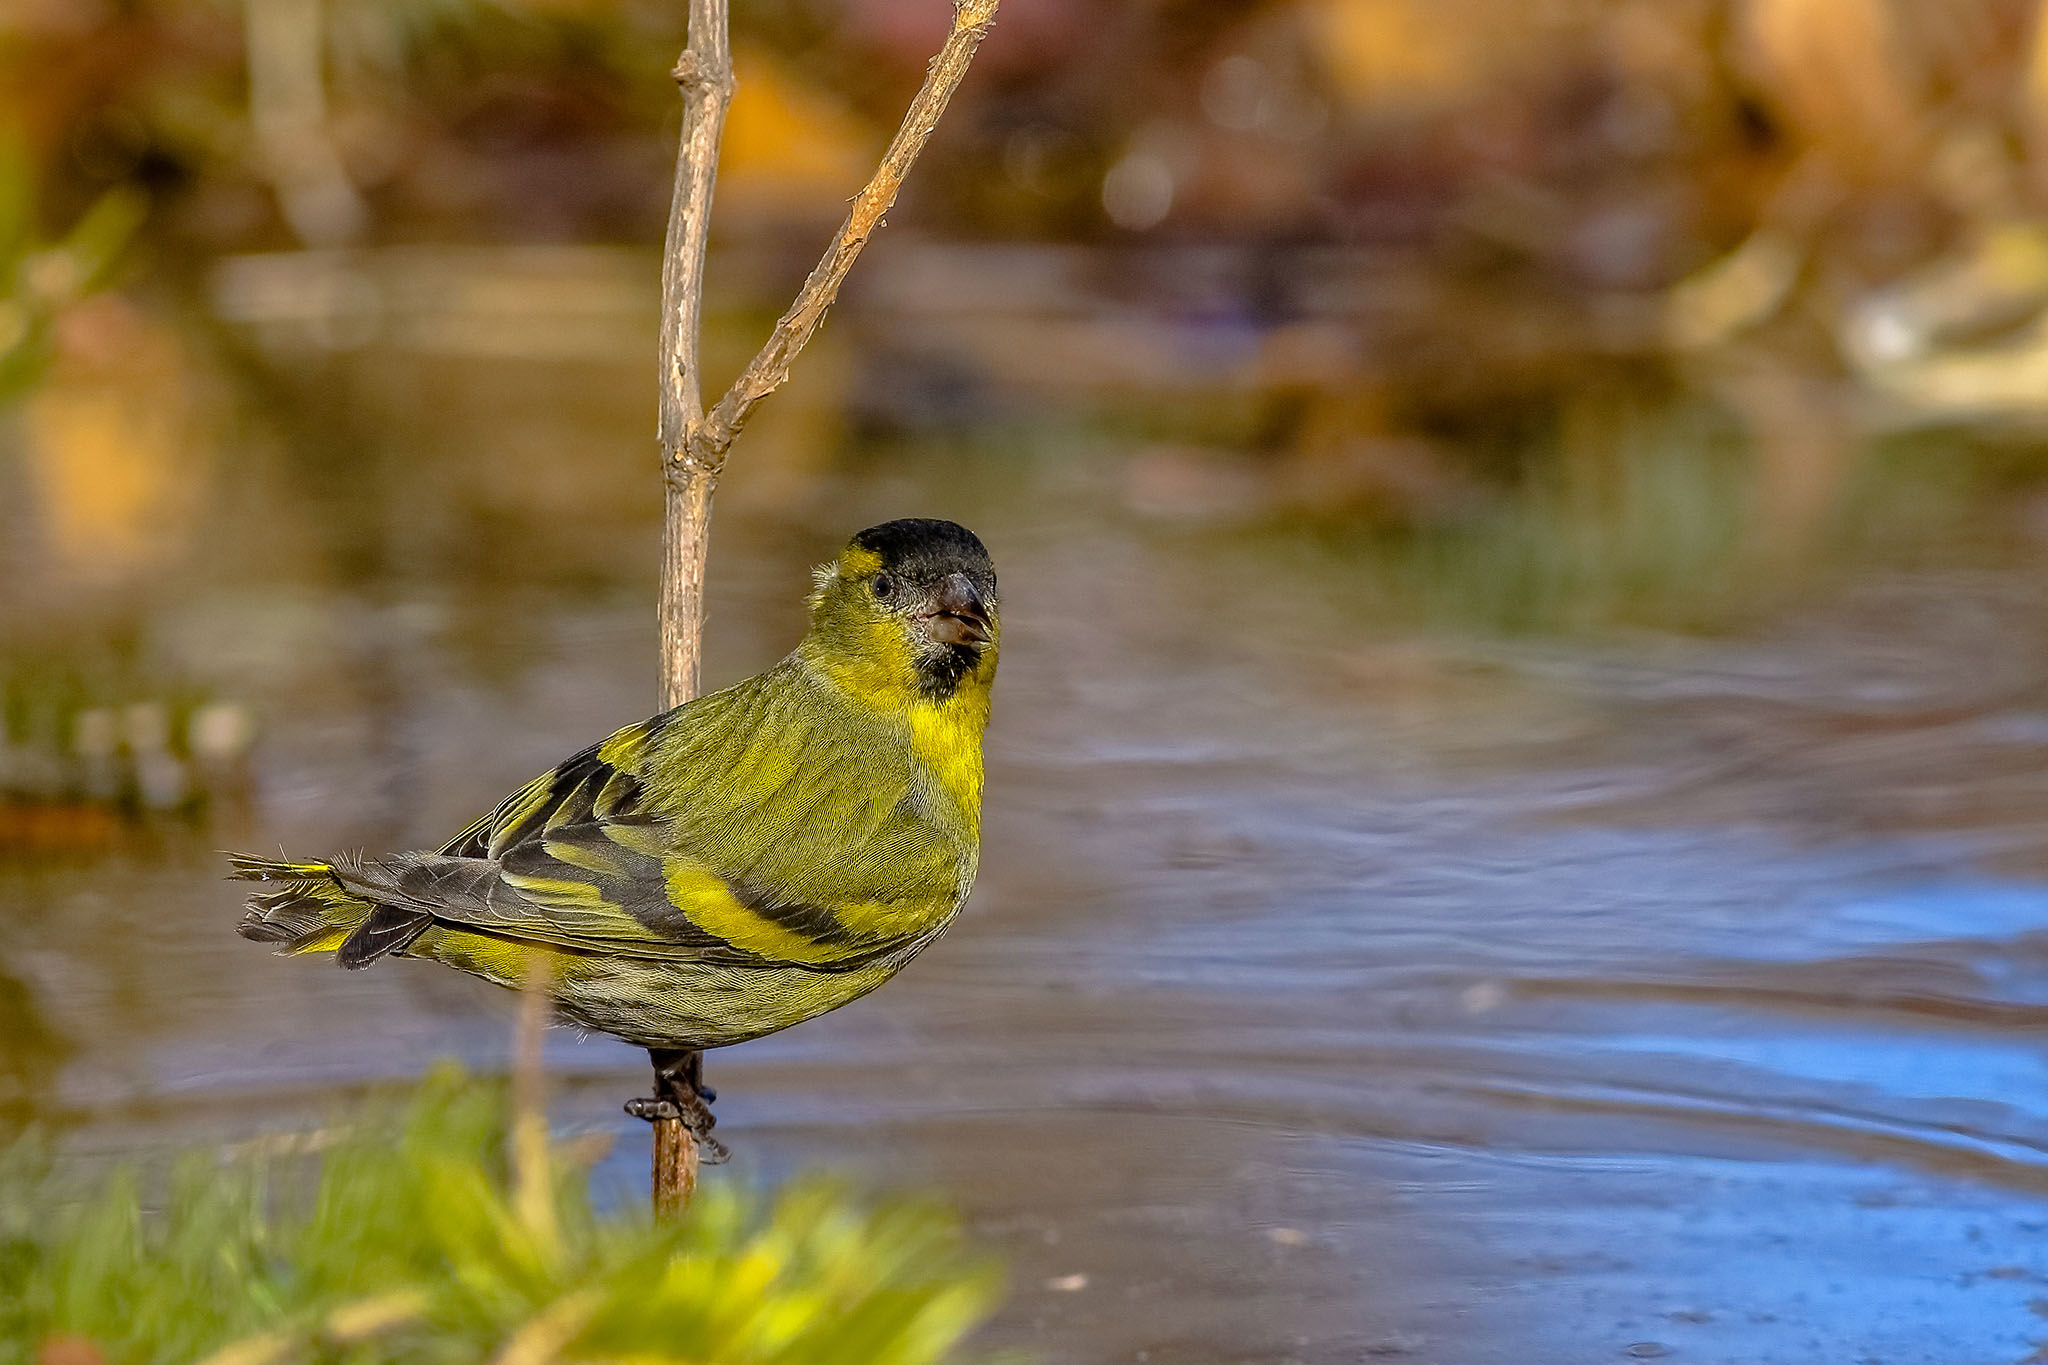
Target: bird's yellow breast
x=945, y=740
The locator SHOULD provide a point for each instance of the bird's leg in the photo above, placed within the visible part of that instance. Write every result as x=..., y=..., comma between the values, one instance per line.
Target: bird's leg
x=680, y=1094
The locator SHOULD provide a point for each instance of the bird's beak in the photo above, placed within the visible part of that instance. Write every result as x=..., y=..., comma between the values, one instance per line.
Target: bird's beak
x=956, y=615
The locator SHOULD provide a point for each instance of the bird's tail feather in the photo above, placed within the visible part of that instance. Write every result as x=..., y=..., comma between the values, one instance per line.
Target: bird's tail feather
x=306, y=911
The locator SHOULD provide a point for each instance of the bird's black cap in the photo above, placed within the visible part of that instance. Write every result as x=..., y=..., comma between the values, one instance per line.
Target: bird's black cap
x=925, y=549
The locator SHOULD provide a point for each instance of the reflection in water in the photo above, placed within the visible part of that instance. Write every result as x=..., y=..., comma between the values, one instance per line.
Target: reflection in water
x=1335, y=989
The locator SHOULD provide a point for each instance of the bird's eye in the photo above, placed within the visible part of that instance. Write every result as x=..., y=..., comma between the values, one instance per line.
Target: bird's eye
x=884, y=585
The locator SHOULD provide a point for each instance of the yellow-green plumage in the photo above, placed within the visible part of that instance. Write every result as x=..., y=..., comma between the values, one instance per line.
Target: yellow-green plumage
x=734, y=866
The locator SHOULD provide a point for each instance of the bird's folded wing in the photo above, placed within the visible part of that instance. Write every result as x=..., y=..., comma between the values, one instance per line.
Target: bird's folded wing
x=601, y=783
x=544, y=904
x=574, y=858
x=616, y=889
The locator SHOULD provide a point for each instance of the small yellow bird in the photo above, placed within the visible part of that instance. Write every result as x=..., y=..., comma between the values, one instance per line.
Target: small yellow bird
x=742, y=863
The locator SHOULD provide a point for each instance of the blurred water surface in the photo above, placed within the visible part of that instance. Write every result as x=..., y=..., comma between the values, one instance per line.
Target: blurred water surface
x=1344, y=981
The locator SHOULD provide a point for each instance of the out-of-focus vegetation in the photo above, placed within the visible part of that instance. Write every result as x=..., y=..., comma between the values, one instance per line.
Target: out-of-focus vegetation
x=418, y=1241
x=40, y=278
x=96, y=737
x=1783, y=168
x=1405, y=236
x=1573, y=312
x=1623, y=141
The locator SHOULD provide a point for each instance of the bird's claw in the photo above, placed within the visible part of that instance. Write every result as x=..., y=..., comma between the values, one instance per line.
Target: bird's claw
x=694, y=1114
x=654, y=1111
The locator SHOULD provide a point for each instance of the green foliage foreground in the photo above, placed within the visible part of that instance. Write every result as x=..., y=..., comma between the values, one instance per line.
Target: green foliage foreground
x=417, y=1240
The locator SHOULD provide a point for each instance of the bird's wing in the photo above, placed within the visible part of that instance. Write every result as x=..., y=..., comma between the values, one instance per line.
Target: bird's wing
x=602, y=783
x=585, y=888
x=575, y=859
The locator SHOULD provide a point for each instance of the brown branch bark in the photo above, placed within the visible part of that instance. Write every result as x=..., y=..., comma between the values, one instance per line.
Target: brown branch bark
x=675, y=1169
x=694, y=443
x=769, y=369
x=533, y=1190
x=704, y=73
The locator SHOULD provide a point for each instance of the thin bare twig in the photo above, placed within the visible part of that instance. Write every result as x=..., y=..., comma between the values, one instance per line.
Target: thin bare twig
x=704, y=73
x=533, y=1181
x=677, y=1157
x=769, y=369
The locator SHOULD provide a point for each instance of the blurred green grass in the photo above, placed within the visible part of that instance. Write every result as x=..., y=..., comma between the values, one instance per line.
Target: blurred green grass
x=414, y=1237
x=41, y=276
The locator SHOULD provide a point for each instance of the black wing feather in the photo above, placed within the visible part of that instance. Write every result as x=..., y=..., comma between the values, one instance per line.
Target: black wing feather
x=388, y=929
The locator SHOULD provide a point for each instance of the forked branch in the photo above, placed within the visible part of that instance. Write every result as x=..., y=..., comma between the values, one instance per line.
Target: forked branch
x=704, y=74
x=707, y=437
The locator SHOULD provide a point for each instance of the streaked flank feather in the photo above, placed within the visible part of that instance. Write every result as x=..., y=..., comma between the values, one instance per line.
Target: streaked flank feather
x=733, y=866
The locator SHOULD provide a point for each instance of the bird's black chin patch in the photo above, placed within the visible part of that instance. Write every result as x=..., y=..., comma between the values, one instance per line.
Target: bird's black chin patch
x=940, y=669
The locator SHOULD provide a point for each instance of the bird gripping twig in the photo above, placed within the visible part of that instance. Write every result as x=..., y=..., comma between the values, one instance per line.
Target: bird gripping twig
x=694, y=442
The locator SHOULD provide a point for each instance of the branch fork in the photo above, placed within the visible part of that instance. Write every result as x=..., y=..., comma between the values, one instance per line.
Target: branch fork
x=694, y=441
x=691, y=437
